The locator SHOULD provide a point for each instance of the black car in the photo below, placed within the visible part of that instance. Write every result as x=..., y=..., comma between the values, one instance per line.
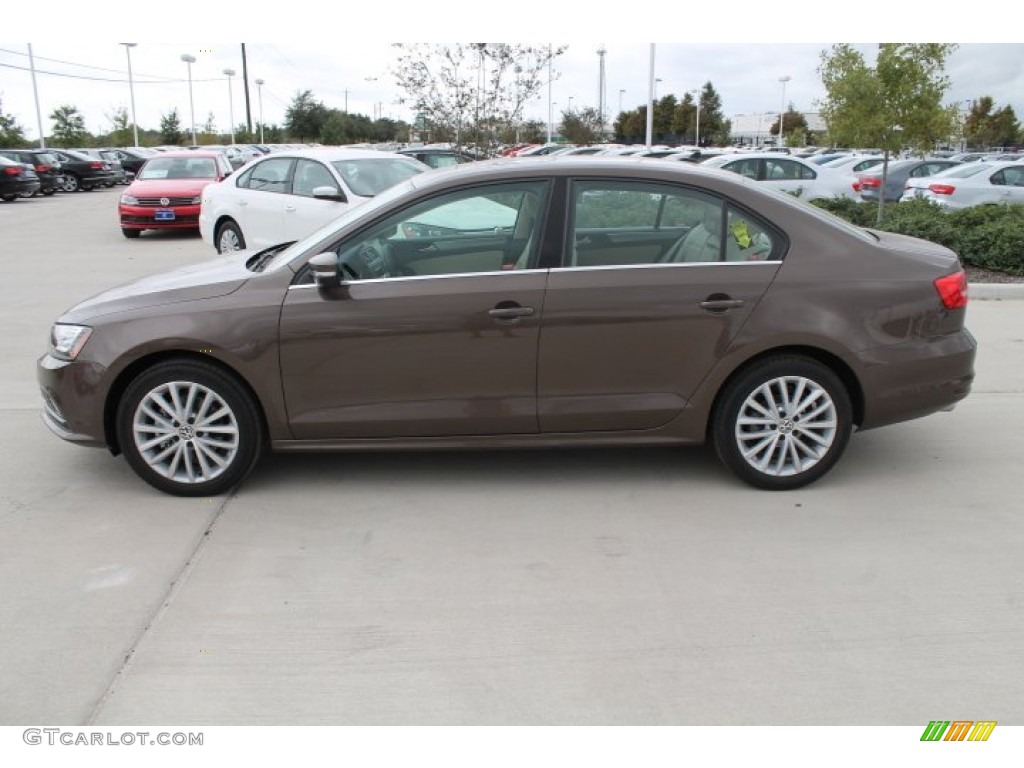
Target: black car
x=17, y=180
x=83, y=172
x=46, y=166
x=132, y=158
x=438, y=158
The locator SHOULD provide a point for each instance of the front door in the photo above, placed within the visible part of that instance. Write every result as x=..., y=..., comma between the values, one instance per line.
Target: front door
x=434, y=330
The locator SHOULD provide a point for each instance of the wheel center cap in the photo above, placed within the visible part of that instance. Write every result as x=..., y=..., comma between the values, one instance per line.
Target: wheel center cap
x=185, y=432
x=786, y=426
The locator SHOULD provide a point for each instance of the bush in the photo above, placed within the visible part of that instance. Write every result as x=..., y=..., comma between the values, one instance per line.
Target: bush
x=987, y=236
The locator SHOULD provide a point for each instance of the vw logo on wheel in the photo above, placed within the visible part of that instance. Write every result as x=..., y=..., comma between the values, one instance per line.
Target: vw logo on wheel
x=165, y=201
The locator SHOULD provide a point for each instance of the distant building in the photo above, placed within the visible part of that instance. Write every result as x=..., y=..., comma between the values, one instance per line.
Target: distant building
x=753, y=128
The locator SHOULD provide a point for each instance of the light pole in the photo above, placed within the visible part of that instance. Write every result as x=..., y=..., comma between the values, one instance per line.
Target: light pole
x=231, y=103
x=131, y=89
x=600, y=91
x=570, y=104
x=190, y=60
x=656, y=81
x=259, y=96
x=621, y=91
x=782, y=112
x=696, y=92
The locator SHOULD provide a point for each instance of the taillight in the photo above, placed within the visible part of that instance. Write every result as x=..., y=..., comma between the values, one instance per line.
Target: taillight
x=942, y=189
x=953, y=290
x=871, y=181
x=856, y=186
x=11, y=171
x=43, y=169
x=96, y=165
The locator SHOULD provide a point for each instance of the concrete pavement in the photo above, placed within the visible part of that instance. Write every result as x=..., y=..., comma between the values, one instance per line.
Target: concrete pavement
x=598, y=587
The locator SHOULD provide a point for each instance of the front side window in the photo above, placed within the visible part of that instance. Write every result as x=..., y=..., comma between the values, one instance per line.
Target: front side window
x=484, y=229
x=309, y=174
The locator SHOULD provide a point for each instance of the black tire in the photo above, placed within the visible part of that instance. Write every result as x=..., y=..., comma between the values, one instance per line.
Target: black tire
x=189, y=461
x=229, y=238
x=49, y=192
x=9, y=198
x=788, y=448
x=131, y=234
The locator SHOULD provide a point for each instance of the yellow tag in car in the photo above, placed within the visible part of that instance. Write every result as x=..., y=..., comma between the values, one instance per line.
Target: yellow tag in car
x=740, y=233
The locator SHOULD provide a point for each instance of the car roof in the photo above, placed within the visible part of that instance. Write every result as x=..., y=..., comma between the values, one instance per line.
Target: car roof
x=333, y=153
x=187, y=153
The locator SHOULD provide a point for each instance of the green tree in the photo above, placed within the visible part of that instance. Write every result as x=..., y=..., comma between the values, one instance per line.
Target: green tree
x=794, y=125
x=120, y=128
x=335, y=129
x=305, y=117
x=170, y=128
x=985, y=126
x=714, y=128
x=11, y=134
x=582, y=126
x=208, y=131
x=68, y=126
x=895, y=104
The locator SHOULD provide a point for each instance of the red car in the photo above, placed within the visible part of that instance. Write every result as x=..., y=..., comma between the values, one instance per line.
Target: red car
x=168, y=191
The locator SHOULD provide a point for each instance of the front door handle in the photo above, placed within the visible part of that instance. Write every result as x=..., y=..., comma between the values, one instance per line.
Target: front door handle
x=509, y=310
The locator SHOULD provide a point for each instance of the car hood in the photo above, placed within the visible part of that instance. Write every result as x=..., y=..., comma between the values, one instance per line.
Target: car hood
x=219, y=277
x=168, y=187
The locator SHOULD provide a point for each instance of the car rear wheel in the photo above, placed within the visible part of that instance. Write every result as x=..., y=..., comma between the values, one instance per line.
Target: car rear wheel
x=71, y=183
x=49, y=192
x=189, y=429
x=229, y=238
x=131, y=234
x=783, y=423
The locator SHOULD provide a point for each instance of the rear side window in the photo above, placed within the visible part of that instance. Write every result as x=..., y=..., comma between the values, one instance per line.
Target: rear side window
x=637, y=223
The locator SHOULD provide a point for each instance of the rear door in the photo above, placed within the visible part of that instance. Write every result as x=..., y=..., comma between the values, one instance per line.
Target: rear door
x=626, y=342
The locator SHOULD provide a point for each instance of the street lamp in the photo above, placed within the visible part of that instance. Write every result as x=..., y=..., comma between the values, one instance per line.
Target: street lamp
x=696, y=92
x=131, y=89
x=621, y=91
x=259, y=96
x=782, y=112
x=570, y=103
x=231, y=103
x=190, y=60
x=656, y=81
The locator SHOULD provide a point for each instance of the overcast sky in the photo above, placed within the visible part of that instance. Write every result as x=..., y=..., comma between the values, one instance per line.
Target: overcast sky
x=93, y=76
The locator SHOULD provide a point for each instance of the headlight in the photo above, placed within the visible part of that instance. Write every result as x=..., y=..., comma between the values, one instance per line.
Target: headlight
x=67, y=340
x=197, y=200
x=129, y=200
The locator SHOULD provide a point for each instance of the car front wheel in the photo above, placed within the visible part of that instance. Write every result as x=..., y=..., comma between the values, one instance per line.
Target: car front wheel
x=188, y=428
x=229, y=238
x=783, y=423
x=131, y=234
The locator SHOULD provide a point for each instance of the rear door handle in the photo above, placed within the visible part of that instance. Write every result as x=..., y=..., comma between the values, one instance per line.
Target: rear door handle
x=720, y=303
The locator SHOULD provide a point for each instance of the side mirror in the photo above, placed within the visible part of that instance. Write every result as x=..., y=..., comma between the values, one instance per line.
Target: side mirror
x=329, y=193
x=325, y=270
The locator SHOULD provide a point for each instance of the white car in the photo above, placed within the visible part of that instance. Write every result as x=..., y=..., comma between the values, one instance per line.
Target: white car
x=287, y=195
x=789, y=174
x=963, y=186
x=854, y=163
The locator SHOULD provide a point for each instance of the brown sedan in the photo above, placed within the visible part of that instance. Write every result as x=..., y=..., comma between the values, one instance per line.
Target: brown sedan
x=529, y=304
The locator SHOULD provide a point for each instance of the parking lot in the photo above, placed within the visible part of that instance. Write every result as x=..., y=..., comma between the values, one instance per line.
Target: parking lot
x=552, y=587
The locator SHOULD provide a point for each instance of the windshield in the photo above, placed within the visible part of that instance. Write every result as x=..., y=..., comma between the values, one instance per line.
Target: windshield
x=369, y=176
x=352, y=214
x=179, y=168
